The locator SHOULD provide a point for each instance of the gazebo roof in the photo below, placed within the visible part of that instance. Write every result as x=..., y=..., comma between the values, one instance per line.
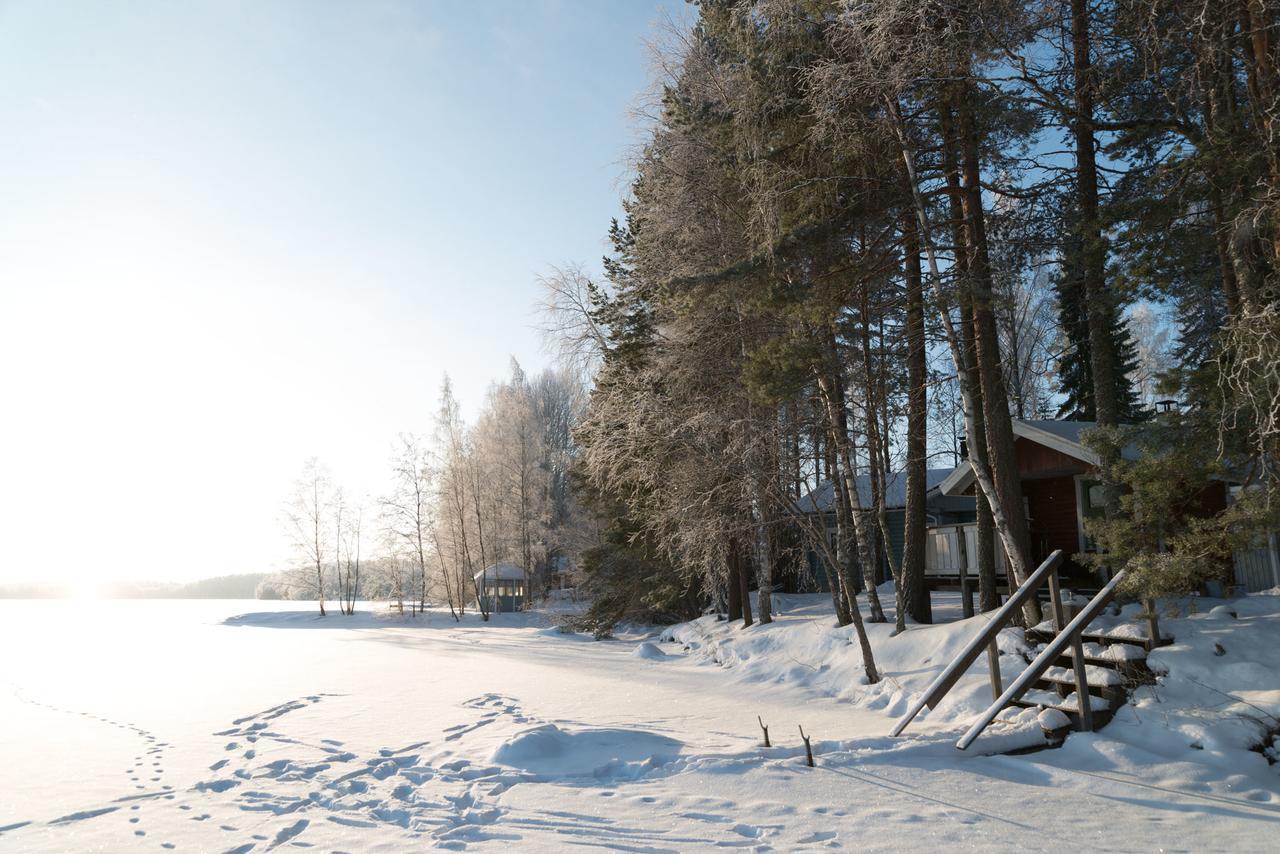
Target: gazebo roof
x=501, y=572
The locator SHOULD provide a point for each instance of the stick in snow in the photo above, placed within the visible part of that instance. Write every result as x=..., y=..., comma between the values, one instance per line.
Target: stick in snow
x=808, y=750
x=766, y=732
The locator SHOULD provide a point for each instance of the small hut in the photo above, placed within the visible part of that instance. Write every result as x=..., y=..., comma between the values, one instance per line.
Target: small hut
x=503, y=584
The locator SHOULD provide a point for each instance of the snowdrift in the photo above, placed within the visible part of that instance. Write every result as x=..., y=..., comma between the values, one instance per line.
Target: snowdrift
x=1216, y=700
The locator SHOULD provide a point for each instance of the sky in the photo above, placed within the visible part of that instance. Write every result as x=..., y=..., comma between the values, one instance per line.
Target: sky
x=235, y=235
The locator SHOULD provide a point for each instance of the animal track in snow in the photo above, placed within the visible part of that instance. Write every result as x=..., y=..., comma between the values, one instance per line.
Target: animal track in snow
x=155, y=752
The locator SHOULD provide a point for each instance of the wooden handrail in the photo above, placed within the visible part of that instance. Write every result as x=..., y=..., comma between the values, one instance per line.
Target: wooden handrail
x=947, y=679
x=1067, y=636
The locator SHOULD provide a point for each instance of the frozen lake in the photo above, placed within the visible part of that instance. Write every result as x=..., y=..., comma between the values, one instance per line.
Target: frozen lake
x=155, y=725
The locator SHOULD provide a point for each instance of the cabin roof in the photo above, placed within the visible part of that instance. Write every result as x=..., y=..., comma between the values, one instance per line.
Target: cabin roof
x=1063, y=436
x=820, y=500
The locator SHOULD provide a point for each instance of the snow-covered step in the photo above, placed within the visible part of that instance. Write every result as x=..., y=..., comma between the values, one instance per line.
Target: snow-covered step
x=1097, y=677
x=1118, y=653
x=1130, y=633
x=1051, y=700
x=1110, y=634
x=1129, y=660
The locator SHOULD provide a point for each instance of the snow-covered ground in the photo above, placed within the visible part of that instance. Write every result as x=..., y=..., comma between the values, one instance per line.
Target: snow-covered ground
x=180, y=725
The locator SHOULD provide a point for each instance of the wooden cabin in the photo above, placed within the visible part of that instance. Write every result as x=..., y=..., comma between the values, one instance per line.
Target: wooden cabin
x=944, y=512
x=1060, y=487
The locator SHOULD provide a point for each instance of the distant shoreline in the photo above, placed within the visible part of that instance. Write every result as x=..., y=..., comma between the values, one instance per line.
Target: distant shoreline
x=240, y=586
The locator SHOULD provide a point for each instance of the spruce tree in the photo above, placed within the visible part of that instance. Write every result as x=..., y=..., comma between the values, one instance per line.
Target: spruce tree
x=1075, y=372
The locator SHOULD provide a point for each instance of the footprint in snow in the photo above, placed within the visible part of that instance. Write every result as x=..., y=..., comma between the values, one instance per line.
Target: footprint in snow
x=819, y=836
x=290, y=832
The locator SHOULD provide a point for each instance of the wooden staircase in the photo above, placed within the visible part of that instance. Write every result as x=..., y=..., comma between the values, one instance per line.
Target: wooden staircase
x=1084, y=668
x=1114, y=667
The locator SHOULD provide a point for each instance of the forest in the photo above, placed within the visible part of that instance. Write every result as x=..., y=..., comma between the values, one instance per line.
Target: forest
x=861, y=238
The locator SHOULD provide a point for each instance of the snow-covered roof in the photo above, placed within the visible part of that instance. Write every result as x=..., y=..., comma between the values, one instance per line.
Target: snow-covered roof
x=501, y=572
x=820, y=500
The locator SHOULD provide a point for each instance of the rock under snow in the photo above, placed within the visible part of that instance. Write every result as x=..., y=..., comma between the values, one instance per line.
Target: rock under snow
x=1052, y=720
x=549, y=750
x=648, y=650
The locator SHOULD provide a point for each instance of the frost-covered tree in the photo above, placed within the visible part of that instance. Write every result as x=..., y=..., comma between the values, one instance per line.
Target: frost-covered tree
x=406, y=514
x=308, y=518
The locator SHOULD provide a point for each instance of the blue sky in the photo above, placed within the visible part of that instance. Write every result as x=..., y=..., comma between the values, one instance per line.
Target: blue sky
x=234, y=235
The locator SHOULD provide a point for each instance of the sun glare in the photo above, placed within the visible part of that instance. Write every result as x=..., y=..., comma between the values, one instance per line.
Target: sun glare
x=85, y=590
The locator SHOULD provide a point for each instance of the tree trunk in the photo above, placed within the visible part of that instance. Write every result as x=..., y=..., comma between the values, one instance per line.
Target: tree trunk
x=733, y=591
x=982, y=474
x=1100, y=309
x=1264, y=76
x=835, y=571
x=995, y=399
x=873, y=403
x=828, y=553
x=915, y=590
x=764, y=569
x=838, y=430
x=976, y=440
x=320, y=586
x=744, y=584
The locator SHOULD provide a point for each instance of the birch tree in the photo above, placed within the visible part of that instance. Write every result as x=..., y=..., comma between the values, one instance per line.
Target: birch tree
x=308, y=524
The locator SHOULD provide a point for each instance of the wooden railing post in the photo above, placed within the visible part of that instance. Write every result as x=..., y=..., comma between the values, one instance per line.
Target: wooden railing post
x=1055, y=600
x=966, y=597
x=1153, y=623
x=1082, y=683
x=993, y=663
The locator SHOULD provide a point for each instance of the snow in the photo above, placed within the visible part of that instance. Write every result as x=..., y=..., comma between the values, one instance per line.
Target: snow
x=1094, y=675
x=649, y=651
x=502, y=572
x=551, y=752
x=254, y=726
x=1053, y=719
x=1055, y=701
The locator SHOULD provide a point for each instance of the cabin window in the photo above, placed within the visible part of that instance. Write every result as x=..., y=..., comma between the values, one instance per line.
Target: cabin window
x=1091, y=504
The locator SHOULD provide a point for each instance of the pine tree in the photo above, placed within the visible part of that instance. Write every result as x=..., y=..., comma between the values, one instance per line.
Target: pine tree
x=1075, y=372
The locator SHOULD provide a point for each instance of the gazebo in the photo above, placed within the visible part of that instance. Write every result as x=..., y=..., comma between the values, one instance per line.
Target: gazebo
x=503, y=584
